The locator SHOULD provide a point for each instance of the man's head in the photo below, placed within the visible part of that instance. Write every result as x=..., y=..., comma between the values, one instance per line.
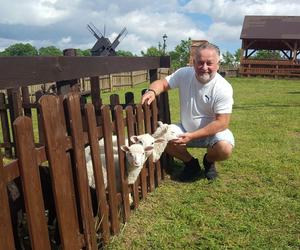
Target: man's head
x=206, y=62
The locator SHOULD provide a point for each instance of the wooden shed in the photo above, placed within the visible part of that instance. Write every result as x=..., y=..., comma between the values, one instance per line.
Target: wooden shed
x=273, y=33
x=194, y=45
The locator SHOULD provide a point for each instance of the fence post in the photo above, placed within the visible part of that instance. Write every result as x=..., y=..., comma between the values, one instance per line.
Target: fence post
x=131, y=79
x=5, y=126
x=63, y=87
x=96, y=97
x=32, y=189
x=6, y=231
x=15, y=106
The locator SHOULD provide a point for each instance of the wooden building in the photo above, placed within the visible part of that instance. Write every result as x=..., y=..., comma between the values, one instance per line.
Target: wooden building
x=194, y=45
x=273, y=33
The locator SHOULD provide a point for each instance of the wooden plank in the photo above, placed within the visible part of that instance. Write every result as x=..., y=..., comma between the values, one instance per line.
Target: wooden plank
x=140, y=130
x=98, y=174
x=73, y=103
x=120, y=132
x=154, y=115
x=32, y=189
x=130, y=132
x=114, y=100
x=24, y=71
x=96, y=97
x=129, y=98
x=62, y=180
x=111, y=176
x=6, y=231
x=15, y=105
x=150, y=164
x=38, y=95
x=5, y=125
x=26, y=100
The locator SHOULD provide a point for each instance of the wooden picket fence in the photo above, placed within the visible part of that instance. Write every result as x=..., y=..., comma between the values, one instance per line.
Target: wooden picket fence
x=67, y=126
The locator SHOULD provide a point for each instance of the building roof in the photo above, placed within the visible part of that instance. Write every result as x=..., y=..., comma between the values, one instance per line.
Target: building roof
x=271, y=27
x=270, y=32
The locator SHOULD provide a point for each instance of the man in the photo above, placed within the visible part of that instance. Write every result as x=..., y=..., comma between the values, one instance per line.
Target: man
x=206, y=100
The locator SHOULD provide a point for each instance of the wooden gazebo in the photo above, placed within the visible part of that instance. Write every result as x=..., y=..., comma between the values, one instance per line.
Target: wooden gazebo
x=274, y=33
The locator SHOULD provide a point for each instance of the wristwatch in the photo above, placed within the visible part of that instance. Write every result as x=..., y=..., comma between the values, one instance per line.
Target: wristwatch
x=151, y=90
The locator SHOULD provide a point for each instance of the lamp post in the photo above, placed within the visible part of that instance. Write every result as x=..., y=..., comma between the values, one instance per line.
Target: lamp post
x=164, y=44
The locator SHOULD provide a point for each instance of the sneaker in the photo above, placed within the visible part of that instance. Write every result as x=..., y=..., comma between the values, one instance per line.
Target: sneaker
x=191, y=171
x=210, y=170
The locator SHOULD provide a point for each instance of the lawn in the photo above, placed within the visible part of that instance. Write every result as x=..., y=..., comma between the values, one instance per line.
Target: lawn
x=255, y=204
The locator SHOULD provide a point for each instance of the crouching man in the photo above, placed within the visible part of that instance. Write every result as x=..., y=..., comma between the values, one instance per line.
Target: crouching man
x=206, y=100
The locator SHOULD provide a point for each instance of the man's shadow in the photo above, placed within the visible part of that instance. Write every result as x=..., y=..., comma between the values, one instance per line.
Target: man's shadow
x=174, y=169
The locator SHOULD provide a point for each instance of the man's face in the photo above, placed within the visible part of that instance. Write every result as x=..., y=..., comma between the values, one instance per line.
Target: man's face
x=206, y=64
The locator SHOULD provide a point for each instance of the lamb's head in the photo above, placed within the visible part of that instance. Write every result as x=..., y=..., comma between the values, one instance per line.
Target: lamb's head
x=161, y=130
x=173, y=132
x=136, y=154
x=146, y=140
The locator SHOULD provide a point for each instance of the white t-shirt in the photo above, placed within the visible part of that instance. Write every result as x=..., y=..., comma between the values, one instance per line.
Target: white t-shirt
x=200, y=102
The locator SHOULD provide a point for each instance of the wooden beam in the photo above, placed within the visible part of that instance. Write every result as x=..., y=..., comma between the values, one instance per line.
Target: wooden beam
x=24, y=71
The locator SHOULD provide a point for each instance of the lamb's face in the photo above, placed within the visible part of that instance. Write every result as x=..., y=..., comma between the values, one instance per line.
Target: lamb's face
x=173, y=132
x=136, y=155
x=144, y=139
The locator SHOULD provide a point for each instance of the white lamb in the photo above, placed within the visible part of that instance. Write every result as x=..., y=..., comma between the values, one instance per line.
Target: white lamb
x=167, y=132
x=136, y=156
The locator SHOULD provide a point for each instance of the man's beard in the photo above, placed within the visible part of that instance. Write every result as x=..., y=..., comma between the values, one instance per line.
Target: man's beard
x=205, y=78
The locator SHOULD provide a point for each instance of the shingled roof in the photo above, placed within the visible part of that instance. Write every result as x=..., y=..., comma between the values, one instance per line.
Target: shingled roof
x=270, y=32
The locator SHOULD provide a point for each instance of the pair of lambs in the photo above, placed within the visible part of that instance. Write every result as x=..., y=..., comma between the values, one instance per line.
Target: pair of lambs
x=136, y=154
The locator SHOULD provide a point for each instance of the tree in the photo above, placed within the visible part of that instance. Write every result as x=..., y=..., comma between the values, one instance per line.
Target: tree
x=228, y=59
x=20, y=49
x=267, y=54
x=124, y=53
x=86, y=52
x=152, y=51
x=180, y=56
x=237, y=56
x=50, y=51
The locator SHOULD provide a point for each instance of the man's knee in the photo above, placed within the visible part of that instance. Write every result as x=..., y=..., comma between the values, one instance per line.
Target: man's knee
x=223, y=149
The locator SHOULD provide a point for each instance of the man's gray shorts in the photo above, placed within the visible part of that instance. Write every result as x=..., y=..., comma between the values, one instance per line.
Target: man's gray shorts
x=225, y=135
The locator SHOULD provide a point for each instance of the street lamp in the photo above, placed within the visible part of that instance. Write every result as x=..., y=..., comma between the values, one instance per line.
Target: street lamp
x=164, y=45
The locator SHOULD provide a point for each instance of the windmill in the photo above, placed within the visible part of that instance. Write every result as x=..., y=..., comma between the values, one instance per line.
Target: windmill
x=103, y=47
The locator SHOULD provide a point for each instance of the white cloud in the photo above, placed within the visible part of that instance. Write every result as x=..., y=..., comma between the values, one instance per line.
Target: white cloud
x=62, y=23
x=222, y=31
x=233, y=11
x=40, y=13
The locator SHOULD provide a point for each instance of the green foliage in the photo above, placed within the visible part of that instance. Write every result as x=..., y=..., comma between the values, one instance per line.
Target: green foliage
x=237, y=56
x=180, y=56
x=20, y=49
x=231, y=60
x=124, y=53
x=267, y=54
x=228, y=59
x=50, y=51
x=152, y=51
x=86, y=52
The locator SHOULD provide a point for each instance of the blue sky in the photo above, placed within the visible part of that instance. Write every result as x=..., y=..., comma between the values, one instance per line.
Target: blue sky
x=62, y=23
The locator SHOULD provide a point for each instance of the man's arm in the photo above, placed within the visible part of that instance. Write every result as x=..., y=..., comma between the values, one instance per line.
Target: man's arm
x=221, y=123
x=158, y=87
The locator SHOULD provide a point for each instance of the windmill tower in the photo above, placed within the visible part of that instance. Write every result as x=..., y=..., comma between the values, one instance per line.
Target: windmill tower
x=103, y=47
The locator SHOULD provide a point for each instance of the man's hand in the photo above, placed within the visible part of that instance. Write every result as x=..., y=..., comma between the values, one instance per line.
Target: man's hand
x=148, y=97
x=183, y=139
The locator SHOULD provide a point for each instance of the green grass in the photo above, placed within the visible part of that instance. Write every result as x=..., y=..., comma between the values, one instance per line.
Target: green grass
x=255, y=204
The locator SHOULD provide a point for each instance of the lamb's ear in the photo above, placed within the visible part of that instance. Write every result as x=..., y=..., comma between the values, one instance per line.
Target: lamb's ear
x=124, y=148
x=148, y=149
x=160, y=140
x=134, y=139
x=160, y=123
